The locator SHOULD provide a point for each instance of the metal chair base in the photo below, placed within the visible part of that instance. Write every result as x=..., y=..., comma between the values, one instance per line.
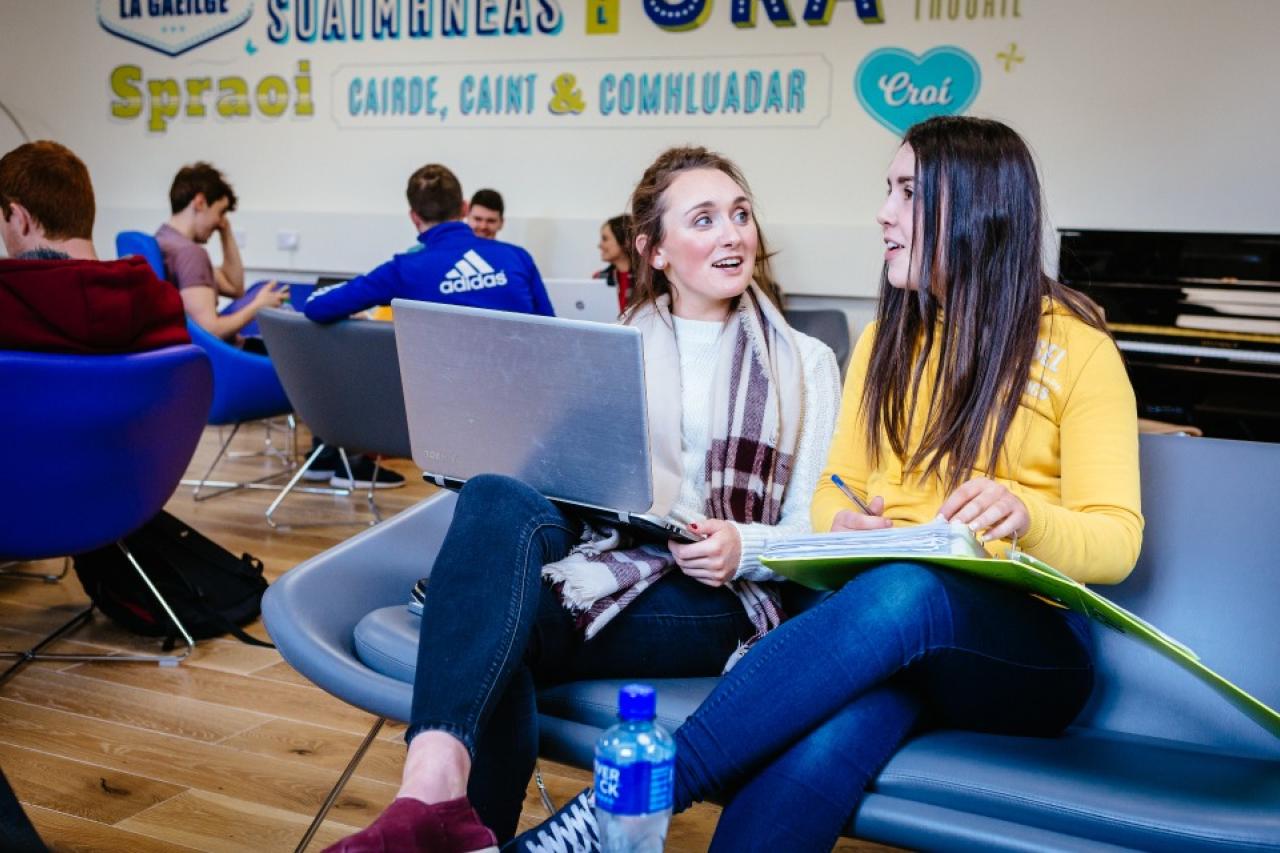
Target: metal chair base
x=287, y=454
x=222, y=487
x=36, y=653
x=306, y=466
x=7, y=571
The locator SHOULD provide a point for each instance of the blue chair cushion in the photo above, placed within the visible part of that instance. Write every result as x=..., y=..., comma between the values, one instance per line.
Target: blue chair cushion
x=1127, y=790
x=1118, y=789
x=386, y=641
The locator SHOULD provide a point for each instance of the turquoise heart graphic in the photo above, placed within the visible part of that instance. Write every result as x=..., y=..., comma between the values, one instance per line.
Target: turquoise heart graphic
x=899, y=88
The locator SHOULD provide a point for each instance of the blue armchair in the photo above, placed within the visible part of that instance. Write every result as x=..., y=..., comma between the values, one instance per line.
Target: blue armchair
x=245, y=385
x=104, y=440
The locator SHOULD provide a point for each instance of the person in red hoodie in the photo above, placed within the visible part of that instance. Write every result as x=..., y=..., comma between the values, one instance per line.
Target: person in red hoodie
x=55, y=295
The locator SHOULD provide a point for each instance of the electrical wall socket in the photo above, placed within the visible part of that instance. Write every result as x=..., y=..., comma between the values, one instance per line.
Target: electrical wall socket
x=242, y=237
x=287, y=241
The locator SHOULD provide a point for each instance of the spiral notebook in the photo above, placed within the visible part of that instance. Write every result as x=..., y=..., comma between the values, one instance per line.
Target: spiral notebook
x=829, y=560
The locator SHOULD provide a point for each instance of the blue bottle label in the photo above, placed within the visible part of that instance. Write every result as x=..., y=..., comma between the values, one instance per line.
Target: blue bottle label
x=634, y=789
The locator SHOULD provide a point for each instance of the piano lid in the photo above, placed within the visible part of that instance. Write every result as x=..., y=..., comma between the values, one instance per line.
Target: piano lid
x=1238, y=261
x=1219, y=289
x=1196, y=317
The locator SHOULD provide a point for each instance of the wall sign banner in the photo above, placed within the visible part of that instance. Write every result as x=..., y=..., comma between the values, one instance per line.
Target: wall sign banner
x=172, y=27
x=728, y=91
x=898, y=88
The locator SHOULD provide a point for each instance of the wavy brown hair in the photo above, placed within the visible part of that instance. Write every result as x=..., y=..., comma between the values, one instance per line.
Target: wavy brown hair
x=52, y=183
x=648, y=204
x=978, y=224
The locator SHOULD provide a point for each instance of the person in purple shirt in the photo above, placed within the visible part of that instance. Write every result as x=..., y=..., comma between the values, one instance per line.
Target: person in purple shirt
x=452, y=265
x=202, y=201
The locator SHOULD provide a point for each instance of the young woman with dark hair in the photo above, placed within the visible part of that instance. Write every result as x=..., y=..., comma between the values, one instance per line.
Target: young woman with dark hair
x=523, y=595
x=985, y=393
x=615, y=251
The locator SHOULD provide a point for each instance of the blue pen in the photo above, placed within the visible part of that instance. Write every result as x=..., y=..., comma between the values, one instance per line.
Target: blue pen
x=848, y=493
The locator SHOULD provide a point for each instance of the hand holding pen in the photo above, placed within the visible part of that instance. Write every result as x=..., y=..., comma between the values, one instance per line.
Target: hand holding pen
x=867, y=517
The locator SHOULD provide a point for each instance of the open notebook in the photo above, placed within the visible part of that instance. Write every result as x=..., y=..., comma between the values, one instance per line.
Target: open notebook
x=828, y=560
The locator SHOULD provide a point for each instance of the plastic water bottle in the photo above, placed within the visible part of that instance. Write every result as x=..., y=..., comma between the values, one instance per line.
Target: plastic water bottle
x=634, y=776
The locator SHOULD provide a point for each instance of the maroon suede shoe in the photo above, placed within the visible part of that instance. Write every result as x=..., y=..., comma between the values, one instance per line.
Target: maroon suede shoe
x=409, y=825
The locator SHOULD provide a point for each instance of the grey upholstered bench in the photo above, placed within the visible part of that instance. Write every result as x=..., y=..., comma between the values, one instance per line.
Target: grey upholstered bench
x=1157, y=761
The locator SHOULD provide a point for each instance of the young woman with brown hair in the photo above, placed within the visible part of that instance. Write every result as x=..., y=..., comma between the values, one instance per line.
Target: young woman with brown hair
x=985, y=393
x=615, y=250
x=741, y=410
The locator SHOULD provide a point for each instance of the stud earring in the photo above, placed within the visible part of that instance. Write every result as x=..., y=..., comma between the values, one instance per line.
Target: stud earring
x=659, y=263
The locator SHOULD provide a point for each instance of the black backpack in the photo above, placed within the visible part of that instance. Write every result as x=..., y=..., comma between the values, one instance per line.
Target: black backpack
x=210, y=590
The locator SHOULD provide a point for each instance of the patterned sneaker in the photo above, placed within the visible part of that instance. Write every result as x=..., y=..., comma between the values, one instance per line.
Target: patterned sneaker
x=417, y=597
x=570, y=830
x=407, y=824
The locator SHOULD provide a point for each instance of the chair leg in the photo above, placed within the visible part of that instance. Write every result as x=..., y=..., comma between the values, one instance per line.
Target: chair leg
x=542, y=789
x=293, y=482
x=224, y=486
x=301, y=472
x=7, y=571
x=35, y=653
x=339, y=785
x=293, y=438
x=203, y=481
x=373, y=504
x=284, y=454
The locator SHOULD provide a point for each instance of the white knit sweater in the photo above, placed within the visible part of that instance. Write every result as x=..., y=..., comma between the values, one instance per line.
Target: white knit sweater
x=699, y=343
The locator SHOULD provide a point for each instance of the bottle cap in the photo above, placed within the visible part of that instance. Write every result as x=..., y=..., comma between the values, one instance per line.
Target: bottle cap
x=637, y=702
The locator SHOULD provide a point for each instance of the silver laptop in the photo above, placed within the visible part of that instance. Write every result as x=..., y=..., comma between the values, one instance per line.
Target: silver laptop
x=556, y=403
x=583, y=299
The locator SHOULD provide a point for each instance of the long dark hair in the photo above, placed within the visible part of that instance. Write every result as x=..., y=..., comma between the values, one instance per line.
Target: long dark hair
x=648, y=205
x=977, y=225
x=620, y=228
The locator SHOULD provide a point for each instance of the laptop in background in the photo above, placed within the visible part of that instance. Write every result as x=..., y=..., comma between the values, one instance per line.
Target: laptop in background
x=299, y=294
x=583, y=299
x=556, y=403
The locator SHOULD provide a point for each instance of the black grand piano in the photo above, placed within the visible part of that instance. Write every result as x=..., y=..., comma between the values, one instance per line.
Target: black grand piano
x=1197, y=317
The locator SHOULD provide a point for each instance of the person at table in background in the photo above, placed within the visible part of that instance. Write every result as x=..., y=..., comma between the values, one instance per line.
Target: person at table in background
x=202, y=201
x=987, y=394
x=453, y=265
x=485, y=213
x=615, y=251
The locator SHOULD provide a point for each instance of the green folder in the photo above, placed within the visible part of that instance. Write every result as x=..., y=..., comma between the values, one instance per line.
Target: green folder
x=831, y=571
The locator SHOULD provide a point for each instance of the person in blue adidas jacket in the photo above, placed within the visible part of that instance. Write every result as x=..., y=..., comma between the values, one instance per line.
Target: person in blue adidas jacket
x=452, y=265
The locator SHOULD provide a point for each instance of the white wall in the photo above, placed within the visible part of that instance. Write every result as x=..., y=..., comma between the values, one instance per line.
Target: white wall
x=1145, y=114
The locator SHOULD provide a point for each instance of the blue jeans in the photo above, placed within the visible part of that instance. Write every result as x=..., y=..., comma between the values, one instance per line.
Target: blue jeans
x=796, y=731
x=493, y=632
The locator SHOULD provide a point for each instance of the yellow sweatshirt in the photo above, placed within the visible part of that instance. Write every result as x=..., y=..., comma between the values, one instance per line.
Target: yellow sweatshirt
x=1071, y=455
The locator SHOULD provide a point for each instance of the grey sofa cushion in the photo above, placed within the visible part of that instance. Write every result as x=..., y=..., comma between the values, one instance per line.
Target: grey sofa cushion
x=1108, y=787
x=387, y=641
x=1121, y=789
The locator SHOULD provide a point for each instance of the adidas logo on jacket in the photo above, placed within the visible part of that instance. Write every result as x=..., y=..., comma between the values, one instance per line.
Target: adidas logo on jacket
x=471, y=273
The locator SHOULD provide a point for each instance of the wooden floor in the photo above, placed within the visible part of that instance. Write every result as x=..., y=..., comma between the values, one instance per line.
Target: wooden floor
x=231, y=751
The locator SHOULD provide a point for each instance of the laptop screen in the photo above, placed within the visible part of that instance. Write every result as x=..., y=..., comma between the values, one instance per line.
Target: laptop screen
x=558, y=404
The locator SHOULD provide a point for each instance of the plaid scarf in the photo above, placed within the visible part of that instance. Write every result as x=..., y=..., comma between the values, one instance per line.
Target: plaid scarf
x=758, y=394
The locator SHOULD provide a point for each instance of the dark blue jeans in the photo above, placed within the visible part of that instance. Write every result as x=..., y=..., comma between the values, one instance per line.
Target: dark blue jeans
x=493, y=632
x=796, y=731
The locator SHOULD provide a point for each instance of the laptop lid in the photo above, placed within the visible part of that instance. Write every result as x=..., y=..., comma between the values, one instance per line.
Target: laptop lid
x=554, y=402
x=583, y=299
